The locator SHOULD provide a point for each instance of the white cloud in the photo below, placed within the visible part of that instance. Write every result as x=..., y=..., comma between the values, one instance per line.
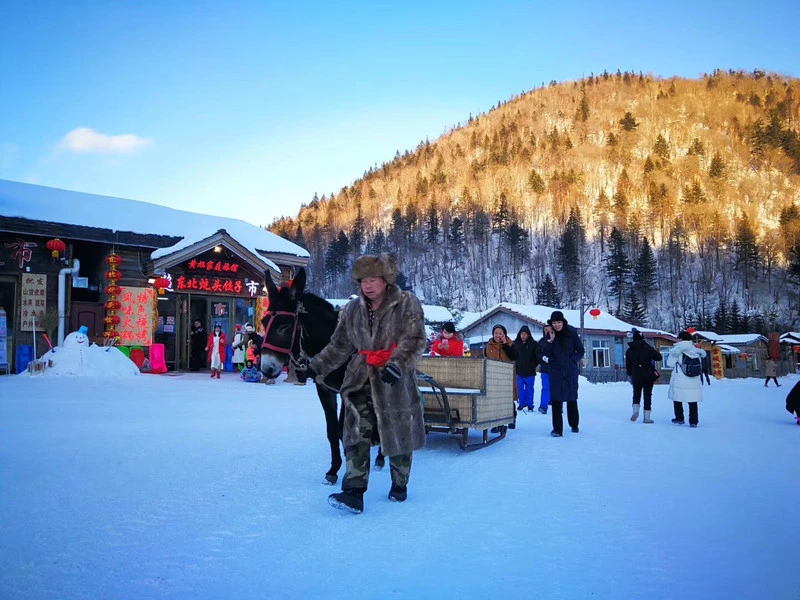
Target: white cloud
x=85, y=139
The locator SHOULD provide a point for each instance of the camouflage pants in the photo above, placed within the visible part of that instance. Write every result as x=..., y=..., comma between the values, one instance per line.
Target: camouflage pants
x=357, y=456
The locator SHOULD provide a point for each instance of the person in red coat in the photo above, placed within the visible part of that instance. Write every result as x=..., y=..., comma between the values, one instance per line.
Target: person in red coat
x=448, y=343
x=216, y=350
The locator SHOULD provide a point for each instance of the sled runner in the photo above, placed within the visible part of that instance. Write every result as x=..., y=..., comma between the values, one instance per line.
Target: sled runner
x=460, y=394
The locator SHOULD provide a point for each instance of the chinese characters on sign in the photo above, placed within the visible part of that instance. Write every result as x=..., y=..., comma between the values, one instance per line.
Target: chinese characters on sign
x=136, y=327
x=21, y=250
x=206, y=284
x=210, y=265
x=34, y=301
x=716, y=362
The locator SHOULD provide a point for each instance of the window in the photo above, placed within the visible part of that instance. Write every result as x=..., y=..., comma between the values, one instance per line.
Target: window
x=729, y=361
x=667, y=362
x=600, y=354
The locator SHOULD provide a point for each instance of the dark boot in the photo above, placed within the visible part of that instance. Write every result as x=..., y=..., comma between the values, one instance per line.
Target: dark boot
x=348, y=499
x=218, y=373
x=398, y=493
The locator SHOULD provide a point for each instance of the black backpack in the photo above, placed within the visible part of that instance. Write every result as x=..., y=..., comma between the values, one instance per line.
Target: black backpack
x=692, y=366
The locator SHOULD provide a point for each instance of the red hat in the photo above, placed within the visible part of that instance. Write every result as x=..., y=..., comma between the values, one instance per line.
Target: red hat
x=238, y=327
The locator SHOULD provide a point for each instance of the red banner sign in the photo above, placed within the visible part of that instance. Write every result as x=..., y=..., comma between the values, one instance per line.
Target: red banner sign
x=138, y=307
x=213, y=265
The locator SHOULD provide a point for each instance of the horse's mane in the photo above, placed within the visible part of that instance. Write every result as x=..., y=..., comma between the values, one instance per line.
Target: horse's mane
x=314, y=303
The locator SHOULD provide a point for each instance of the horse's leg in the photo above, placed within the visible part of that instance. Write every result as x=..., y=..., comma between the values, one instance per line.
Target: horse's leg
x=328, y=400
x=380, y=460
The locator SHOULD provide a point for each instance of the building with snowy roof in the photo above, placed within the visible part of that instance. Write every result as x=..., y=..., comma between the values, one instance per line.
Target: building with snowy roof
x=605, y=337
x=213, y=268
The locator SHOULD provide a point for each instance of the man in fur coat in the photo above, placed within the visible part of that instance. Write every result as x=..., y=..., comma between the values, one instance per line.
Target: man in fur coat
x=384, y=332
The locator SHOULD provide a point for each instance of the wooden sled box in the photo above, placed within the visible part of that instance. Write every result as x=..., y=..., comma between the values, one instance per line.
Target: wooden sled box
x=460, y=394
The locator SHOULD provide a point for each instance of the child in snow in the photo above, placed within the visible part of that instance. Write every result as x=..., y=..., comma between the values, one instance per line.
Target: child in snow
x=793, y=402
x=252, y=356
x=250, y=374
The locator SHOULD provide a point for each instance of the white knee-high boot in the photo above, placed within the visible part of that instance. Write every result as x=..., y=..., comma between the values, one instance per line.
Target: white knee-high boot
x=647, y=418
x=635, y=414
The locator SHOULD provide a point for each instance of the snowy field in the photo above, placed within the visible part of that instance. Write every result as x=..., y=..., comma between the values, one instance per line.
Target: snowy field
x=184, y=487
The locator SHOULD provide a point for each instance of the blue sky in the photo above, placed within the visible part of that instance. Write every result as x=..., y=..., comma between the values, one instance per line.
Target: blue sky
x=248, y=108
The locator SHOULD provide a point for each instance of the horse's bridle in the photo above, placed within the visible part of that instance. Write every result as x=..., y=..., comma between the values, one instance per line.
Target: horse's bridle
x=272, y=316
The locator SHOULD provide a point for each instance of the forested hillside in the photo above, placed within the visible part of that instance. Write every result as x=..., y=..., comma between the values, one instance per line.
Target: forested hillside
x=668, y=202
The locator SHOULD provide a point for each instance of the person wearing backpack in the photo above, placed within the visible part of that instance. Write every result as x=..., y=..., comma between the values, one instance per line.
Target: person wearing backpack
x=685, y=384
x=639, y=359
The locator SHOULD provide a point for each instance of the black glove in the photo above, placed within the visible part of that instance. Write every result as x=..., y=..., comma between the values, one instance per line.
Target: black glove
x=391, y=374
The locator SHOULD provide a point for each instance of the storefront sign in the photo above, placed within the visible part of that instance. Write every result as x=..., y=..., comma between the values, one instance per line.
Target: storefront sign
x=137, y=311
x=213, y=265
x=716, y=362
x=215, y=285
x=34, y=301
x=21, y=251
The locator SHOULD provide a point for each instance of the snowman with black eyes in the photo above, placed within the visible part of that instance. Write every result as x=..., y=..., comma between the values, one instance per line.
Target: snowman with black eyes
x=76, y=347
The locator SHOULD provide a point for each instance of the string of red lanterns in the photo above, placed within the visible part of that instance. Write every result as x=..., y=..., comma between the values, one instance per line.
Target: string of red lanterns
x=113, y=290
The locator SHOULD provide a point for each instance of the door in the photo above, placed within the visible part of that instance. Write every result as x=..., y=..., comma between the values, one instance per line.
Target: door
x=8, y=303
x=89, y=315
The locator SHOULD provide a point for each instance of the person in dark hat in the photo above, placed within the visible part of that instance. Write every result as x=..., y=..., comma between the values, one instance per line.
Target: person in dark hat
x=383, y=335
x=564, y=350
x=639, y=359
x=448, y=342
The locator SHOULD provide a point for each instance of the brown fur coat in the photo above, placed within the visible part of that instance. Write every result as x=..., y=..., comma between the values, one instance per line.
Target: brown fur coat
x=398, y=408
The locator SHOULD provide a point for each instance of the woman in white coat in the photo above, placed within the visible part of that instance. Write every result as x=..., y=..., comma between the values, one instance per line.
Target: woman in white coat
x=683, y=388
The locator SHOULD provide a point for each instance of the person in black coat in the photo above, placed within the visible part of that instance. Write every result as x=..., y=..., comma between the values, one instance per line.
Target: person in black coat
x=639, y=359
x=564, y=350
x=525, y=363
x=197, y=346
x=793, y=402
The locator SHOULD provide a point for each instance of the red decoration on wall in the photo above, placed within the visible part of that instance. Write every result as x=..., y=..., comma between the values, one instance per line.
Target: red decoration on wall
x=595, y=312
x=113, y=305
x=213, y=265
x=691, y=330
x=161, y=284
x=22, y=251
x=113, y=275
x=56, y=247
x=113, y=260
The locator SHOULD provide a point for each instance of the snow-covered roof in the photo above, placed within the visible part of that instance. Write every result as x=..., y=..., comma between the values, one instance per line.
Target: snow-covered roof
x=468, y=318
x=742, y=339
x=541, y=313
x=728, y=349
x=39, y=203
x=436, y=314
x=709, y=335
x=790, y=337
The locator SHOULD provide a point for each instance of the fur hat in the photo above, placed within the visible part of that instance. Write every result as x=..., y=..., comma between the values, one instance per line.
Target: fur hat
x=370, y=265
x=248, y=328
x=449, y=327
x=557, y=315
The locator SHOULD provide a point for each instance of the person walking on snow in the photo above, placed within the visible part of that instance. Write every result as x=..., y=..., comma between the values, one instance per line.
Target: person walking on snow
x=238, y=348
x=564, y=350
x=448, y=343
x=383, y=335
x=544, y=371
x=682, y=387
x=771, y=372
x=639, y=359
x=525, y=364
x=216, y=350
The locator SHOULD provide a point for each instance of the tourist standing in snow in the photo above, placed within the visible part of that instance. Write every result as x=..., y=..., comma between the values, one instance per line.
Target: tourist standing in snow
x=639, y=359
x=771, y=372
x=525, y=365
x=564, y=350
x=383, y=335
x=238, y=348
x=500, y=347
x=682, y=387
x=216, y=350
x=197, y=346
x=448, y=342
x=544, y=371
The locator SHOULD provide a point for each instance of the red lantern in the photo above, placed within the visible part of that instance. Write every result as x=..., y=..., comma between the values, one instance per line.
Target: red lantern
x=111, y=333
x=112, y=320
x=113, y=305
x=595, y=312
x=690, y=330
x=113, y=275
x=161, y=283
x=56, y=246
x=113, y=260
x=113, y=290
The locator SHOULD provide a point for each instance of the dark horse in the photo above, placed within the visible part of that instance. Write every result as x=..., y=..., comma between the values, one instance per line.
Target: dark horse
x=299, y=323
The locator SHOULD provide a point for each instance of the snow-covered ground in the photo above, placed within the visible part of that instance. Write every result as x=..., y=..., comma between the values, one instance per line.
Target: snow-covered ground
x=186, y=487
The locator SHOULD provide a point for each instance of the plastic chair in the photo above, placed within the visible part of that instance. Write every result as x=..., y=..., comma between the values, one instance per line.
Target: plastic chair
x=137, y=356
x=158, y=364
x=24, y=356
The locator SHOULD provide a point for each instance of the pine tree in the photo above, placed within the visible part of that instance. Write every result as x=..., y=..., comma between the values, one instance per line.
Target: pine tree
x=721, y=323
x=717, y=168
x=397, y=232
x=536, y=183
x=628, y=122
x=645, y=277
x=602, y=209
x=618, y=267
x=501, y=216
x=336, y=260
x=357, y=232
x=635, y=312
x=377, y=245
x=582, y=113
x=298, y=237
x=456, y=236
x=649, y=167
x=570, y=250
x=747, y=252
x=547, y=293
x=697, y=148
x=735, y=318
x=661, y=148
x=515, y=240
x=432, y=229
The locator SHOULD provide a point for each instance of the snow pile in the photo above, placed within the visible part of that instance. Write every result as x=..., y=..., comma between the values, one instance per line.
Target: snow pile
x=80, y=357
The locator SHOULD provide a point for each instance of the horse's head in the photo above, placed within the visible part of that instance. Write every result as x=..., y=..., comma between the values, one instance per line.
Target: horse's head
x=281, y=328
